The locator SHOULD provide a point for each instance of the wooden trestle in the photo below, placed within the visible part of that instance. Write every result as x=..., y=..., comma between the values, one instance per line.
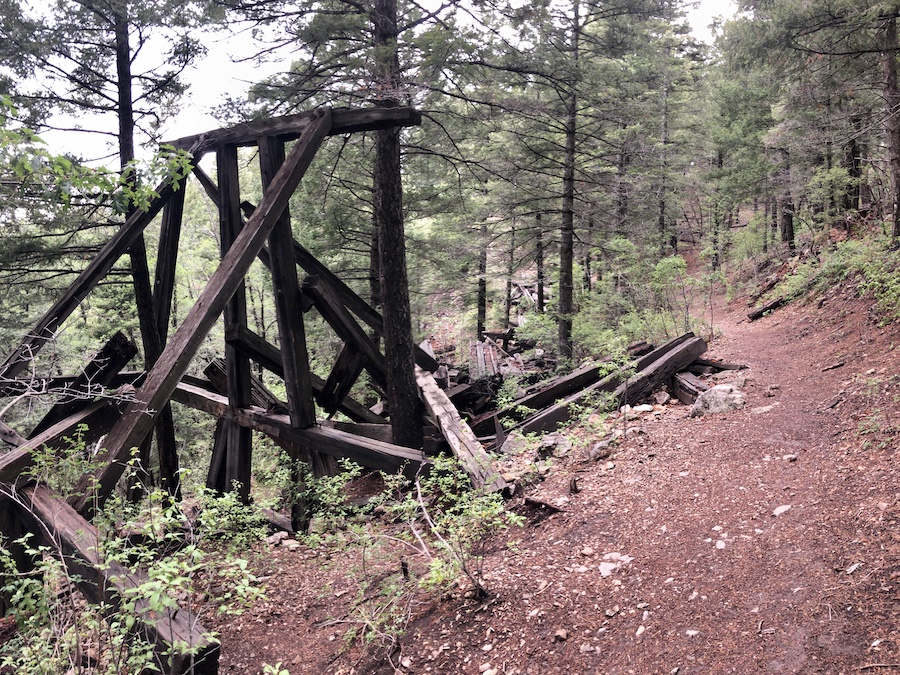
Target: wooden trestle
x=230, y=392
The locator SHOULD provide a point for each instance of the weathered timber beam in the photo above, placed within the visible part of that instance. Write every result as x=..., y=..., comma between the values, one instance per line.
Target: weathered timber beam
x=687, y=387
x=367, y=452
x=550, y=418
x=166, y=259
x=654, y=375
x=344, y=374
x=97, y=417
x=107, y=581
x=335, y=313
x=291, y=331
x=475, y=460
x=162, y=379
x=99, y=372
x=290, y=127
x=269, y=357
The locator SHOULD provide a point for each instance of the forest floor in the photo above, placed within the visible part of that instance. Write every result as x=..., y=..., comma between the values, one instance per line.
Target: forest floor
x=712, y=580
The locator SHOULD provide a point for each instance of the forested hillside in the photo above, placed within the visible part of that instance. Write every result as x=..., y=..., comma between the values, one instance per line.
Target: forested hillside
x=583, y=177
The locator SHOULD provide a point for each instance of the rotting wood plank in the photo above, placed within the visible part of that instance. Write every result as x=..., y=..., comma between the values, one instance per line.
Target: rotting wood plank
x=365, y=451
x=90, y=276
x=98, y=373
x=269, y=357
x=290, y=127
x=107, y=581
x=647, y=378
x=98, y=417
x=181, y=349
x=719, y=365
x=576, y=385
x=550, y=418
x=768, y=307
x=475, y=460
x=687, y=387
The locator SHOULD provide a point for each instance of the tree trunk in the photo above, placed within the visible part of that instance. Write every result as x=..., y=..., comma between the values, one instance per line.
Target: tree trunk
x=539, y=262
x=151, y=334
x=892, y=119
x=482, y=281
x=786, y=202
x=565, y=304
x=664, y=147
x=402, y=391
x=510, y=268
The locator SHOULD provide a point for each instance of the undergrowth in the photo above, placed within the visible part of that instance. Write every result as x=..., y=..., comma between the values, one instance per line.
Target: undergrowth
x=155, y=562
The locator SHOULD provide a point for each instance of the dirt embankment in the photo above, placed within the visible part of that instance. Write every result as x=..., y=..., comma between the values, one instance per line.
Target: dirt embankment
x=763, y=540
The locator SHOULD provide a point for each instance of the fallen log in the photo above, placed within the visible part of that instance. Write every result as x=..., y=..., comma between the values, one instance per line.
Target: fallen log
x=59, y=525
x=659, y=372
x=768, y=307
x=719, y=365
x=475, y=460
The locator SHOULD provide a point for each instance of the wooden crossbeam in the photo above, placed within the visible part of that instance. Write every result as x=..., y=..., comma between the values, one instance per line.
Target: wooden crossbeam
x=99, y=267
x=182, y=348
x=367, y=452
x=98, y=418
x=344, y=374
x=58, y=524
x=98, y=372
x=269, y=357
x=335, y=313
x=290, y=127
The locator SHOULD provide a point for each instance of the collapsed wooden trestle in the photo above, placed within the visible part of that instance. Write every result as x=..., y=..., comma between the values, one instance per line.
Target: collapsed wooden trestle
x=238, y=400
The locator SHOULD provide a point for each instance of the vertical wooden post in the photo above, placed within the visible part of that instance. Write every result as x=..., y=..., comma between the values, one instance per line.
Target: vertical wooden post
x=291, y=332
x=240, y=439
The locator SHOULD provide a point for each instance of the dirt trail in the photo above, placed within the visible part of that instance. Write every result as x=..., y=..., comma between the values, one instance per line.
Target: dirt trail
x=712, y=581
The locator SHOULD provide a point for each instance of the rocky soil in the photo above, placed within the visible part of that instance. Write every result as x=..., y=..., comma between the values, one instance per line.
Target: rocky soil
x=761, y=540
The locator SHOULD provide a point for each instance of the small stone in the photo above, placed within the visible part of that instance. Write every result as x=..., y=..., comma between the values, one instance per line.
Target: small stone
x=781, y=510
x=644, y=408
x=491, y=671
x=406, y=662
x=561, y=635
x=720, y=544
x=486, y=648
x=692, y=633
x=790, y=458
x=612, y=612
x=661, y=397
x=290, y=544
x=586, y=648
x=272, y=540
x=600, y=450
x=639, y=631
x=587, y=551
x=484, y=667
